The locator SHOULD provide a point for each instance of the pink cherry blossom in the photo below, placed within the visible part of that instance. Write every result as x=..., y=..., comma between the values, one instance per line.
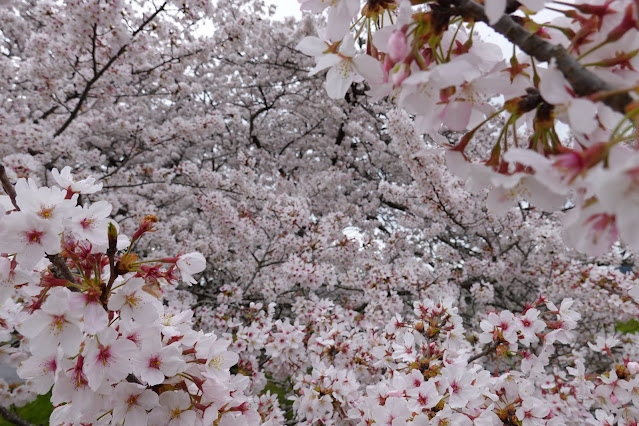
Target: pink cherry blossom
x=55, y=324
x=154, y=362
x=131, y=403
x=134, y=303
x=190, y=264
x=345, y=65
x=107, y=358
x=65, y=179
x=30, y=237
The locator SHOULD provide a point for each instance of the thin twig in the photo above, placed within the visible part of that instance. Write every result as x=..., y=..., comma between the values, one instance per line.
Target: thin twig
x=8, y=186
x=488, y=349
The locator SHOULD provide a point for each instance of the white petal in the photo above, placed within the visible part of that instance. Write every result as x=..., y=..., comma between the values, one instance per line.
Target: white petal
x=381, y=36
x=552, y=87
x=338, y=80
x=500, y=201
x=634, y=293
x=311, y=46
x=457, y=164
x=494, y=10
x=582, y=115
x=456, y=115
x=369, y=68
x=533, y=5
x=314, y=6
x=347, y=46
x=340, y=17
x=325, y=61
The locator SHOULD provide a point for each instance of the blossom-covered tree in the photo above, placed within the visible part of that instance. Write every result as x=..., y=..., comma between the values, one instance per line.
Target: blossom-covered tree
x=298, y=252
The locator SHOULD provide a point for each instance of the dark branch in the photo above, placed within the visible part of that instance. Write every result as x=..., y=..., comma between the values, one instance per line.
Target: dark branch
x=8, y=186
x=583, y=82
x=13, y=418
x=60, y=269
x=96, y=76
x=488, y=349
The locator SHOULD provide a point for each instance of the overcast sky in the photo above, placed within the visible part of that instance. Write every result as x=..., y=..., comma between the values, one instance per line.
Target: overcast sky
x=286, y=8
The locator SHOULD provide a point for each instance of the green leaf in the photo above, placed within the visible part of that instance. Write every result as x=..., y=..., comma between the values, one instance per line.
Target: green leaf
x=36, y=412
x=628, y=327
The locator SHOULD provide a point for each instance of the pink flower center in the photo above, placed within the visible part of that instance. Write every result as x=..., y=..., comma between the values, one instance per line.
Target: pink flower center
x=45, y=213
x=86, y=223
x=34, y=237
x=105, y=355
x=154, y=362
x=132, y=400
x=57, y=324
x=423, y=399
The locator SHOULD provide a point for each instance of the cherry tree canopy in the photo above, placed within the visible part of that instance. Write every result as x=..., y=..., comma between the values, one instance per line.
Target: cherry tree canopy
x=204, y=227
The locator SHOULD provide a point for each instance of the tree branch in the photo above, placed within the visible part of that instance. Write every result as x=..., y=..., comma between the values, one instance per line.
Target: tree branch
x=583, y=82
x=96, y=76
x=60, y=269
x=13, y=418
x=8, y=186
x=488, y=349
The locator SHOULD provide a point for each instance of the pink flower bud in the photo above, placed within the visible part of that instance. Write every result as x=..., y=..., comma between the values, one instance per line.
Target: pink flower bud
x=397, y=46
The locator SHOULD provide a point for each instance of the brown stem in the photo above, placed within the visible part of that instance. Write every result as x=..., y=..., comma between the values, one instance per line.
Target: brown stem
x=60, y=269
x=61, y=266
x=488, y=349
x=111, y=251
x=8, y=186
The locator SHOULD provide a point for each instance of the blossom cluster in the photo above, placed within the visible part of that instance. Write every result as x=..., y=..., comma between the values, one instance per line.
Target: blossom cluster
x=423, y=368
x=83, y=316
x=432, y=61
x=349, y=278
x=84, y=319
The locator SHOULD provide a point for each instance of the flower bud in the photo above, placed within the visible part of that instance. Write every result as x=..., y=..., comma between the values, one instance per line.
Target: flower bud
x=397, y=46
x=112, y=234
x=126, y=264
x=147, y=225
x=629, y=22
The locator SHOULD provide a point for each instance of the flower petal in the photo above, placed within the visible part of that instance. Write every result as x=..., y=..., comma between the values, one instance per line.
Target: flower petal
x=338, y=80
x=494, y=10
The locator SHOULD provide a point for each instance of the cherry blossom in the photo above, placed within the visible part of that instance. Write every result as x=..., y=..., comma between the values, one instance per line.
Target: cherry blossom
x=346, y=66
x=132, y=402
x=189, y=264
x=134, y=303
x=30, y=237
x=65, y=179
x=54, y=324
x=446, y=236
x=155, y=362
x=107, y=358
